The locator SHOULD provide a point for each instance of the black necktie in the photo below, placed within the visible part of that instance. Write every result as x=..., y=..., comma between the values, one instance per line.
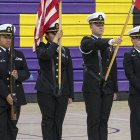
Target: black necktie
x=8, y=52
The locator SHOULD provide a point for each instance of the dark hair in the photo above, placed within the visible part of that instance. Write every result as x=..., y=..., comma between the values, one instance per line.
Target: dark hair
x=46, y=36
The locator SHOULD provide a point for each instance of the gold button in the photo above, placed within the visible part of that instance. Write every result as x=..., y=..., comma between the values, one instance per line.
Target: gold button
x=17, y=85
x=56, y=69
x=57, y=57
x=56, y=76
x=99, y=73
x=8, y=79
x=56, y=64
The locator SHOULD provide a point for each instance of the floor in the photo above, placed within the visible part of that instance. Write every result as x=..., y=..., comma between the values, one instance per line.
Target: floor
x=75, y=122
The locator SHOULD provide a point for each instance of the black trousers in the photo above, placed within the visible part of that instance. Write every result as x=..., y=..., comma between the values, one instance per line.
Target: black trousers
x=8, y=128
x=98, y=109
x=53, y=111
x=134, y=104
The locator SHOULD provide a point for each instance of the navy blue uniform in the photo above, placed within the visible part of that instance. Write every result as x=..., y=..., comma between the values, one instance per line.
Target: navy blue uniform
x=8, y=129
x=132, y=71
x=98, y=98
x=53, y=106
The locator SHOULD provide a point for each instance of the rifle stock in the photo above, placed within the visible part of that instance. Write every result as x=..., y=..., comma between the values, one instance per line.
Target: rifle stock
x=13, y=113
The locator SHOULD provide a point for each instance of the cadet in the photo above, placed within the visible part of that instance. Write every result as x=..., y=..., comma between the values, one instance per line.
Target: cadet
x=8, y=129
x=132, y=71
x=98, y=94
x=53, y=106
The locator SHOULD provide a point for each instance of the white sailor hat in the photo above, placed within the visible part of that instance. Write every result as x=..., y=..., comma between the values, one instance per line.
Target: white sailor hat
x=134, y=32
x=54, y=27
x=96, y=17
x=7, y=29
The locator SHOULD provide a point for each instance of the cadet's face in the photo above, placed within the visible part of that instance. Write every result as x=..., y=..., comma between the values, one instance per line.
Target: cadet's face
x=136, y=42
x=97, y=28
x=5, y=41
x=50, y=36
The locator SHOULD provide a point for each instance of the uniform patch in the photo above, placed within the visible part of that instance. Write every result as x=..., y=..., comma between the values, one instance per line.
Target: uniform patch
x=2, y=60
x=18, y=59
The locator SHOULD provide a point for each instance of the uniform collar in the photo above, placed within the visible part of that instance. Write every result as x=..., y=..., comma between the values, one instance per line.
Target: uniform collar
x=137, y=50
x=4, y=48
x=95, y=37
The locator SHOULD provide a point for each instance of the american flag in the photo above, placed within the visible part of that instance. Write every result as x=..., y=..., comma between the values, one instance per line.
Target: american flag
x=137, y=4
x=48, y=13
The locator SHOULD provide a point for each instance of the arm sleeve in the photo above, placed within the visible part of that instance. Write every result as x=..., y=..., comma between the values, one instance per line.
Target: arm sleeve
x=3, y=90
x=24, y=73
x=46, y=53
x=129, y=71
x=70, y=75
x=114, y=76
x=88, y=44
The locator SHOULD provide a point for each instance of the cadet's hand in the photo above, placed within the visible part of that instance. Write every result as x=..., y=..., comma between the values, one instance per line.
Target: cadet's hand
x=70, y=101
x=57, y=37
x=9, y=99
x=118, y=40
x=15, y=74
x=59, y=34
x=115, y=97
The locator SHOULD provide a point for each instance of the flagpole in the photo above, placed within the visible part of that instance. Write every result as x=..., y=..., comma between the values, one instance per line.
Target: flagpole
x=60, y=50
x=118, y=45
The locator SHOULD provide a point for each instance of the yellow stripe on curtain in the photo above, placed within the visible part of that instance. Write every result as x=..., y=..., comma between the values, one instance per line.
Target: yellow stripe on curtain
x=74, y=28
x=72, y=41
